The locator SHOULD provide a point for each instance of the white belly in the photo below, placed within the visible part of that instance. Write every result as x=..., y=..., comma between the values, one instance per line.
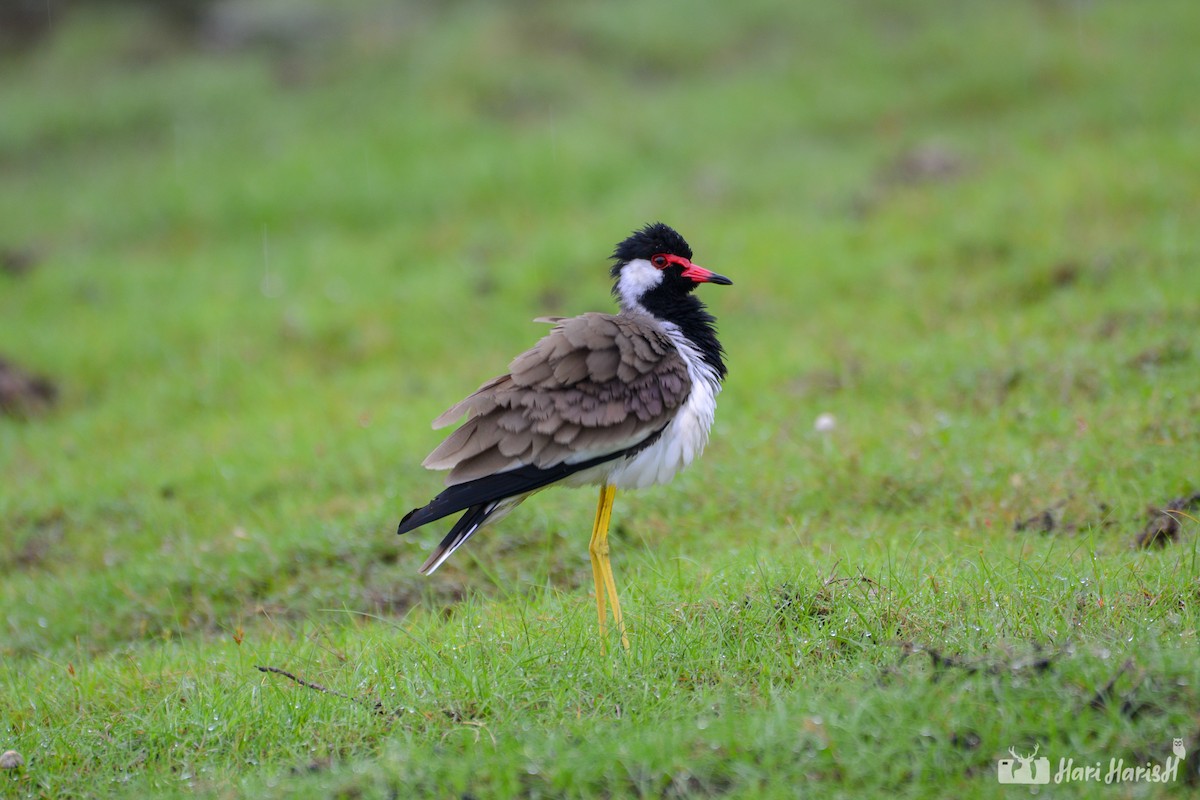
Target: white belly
x=681, y=442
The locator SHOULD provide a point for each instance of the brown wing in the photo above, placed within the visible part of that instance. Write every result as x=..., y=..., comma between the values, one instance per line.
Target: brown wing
x=597, y=384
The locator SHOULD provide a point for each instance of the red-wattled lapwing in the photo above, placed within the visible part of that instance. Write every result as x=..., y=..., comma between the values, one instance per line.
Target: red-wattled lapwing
x=615, y=401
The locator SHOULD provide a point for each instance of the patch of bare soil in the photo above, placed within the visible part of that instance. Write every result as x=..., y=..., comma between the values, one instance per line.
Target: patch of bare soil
x=929, y=162
x=17, y=261
x=45, y=535
x=23, y=394
x=1163, y=527
x=1067, y=517
x=1042, y=522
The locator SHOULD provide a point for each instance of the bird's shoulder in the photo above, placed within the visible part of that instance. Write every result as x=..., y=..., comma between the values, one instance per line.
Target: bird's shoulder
x=599, y=349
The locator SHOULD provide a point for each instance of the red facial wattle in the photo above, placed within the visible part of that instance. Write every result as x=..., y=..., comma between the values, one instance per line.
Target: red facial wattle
x=691, y=271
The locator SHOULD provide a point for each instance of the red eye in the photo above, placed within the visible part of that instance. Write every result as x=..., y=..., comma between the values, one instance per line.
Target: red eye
x=659, y=261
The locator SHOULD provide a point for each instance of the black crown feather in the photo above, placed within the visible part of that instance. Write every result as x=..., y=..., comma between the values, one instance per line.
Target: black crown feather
x=651, y=240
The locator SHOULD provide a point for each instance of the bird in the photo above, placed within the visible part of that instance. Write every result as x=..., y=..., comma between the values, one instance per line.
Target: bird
x=616, y=401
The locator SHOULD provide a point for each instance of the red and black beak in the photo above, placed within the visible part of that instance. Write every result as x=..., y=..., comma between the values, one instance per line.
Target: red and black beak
x=698, y=273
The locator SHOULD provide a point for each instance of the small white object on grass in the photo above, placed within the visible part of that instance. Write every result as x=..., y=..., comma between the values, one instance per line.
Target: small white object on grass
x=825, y=423
x=11, y=759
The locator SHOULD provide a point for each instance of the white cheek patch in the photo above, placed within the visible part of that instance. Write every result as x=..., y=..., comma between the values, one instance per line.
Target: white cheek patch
x=637, y=277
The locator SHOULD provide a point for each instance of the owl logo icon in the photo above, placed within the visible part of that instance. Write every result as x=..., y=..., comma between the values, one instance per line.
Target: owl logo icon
x=1178, y=749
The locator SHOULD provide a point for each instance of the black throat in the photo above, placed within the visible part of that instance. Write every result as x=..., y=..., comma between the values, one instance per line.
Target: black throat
x=687, y=312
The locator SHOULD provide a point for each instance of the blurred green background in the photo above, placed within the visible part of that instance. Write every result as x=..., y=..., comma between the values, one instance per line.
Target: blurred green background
x=252, y=248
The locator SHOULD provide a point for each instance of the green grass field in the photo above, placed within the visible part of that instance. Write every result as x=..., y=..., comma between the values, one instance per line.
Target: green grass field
x=960, y=228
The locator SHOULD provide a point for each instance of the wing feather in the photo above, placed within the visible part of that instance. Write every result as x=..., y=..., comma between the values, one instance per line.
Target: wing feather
x=596, y=384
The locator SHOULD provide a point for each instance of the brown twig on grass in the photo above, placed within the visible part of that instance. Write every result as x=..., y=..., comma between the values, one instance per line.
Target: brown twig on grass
x=316, y=687
x=306, y=684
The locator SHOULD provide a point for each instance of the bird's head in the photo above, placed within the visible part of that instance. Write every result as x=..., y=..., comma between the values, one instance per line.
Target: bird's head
x=655, y=264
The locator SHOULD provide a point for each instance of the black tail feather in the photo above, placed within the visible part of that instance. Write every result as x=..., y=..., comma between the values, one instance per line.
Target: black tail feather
x=482, y=497
x=484, y=491
x=467, y=524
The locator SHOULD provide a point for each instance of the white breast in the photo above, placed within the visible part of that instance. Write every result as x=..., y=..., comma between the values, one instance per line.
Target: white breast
x=684, y=438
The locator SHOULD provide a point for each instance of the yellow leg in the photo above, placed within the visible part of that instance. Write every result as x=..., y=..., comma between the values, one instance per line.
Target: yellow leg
x=606, y=585
x=600, y=540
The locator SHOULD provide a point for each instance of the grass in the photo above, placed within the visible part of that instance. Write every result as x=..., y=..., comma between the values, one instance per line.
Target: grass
x=961, y=229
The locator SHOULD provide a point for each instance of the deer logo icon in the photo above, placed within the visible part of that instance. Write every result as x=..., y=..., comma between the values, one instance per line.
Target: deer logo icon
x=1029, y=770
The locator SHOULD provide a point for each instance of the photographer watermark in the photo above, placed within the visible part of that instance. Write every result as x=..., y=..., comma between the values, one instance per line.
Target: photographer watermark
x=1033, y=770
